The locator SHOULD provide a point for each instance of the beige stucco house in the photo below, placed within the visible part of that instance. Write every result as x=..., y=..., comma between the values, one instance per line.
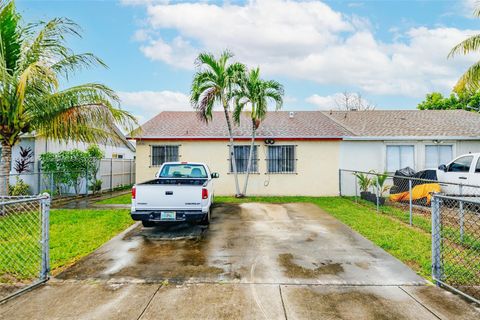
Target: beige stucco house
x=301, y=152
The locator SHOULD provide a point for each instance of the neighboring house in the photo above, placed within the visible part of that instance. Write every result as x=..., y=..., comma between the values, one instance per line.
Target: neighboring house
x=300, y=153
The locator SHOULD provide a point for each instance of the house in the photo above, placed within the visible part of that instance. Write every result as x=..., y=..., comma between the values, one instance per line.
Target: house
x=301, y=152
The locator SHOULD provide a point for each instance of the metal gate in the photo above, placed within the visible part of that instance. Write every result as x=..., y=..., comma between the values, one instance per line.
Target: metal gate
x=456, y=244
x=24, y=243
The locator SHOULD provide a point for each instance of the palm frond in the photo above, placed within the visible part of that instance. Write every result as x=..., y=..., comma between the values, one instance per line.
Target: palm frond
x=469, y=45
x=470, y=80
x=76, y=62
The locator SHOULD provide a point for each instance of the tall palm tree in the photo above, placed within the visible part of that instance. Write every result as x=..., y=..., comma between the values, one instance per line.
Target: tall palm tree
x=256, y=94
x=34, y=59
x=212, y=85
x=470, y=80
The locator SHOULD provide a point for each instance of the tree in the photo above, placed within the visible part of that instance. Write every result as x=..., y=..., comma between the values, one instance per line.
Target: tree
x=212, y=85
x=34, y=59
x=352, y=101
x=465, y=100
x=255, y=93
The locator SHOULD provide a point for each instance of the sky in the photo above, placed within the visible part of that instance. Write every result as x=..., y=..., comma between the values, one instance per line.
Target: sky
x=391, y=52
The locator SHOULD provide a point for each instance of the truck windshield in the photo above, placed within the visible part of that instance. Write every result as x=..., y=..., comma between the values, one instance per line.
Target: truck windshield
x=183, y=171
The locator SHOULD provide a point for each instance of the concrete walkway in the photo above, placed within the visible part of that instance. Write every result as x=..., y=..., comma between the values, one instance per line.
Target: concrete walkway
x=256, y=261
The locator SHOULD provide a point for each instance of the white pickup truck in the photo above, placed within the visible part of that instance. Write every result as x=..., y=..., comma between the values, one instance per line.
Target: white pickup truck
x=464, y=170
x=182, y=191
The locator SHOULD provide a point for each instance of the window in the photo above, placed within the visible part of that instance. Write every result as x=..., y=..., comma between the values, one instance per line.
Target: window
x=281, y=159
x=399, y=157
x=161, y=154
x=477, y=168
x=183, y=171
x=437, y=155
x=117, y=156
x=241, y=159
x=461, y=164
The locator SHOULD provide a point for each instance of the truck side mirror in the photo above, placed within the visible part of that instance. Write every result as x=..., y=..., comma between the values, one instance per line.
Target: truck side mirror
x=215, y=175
x=442, y=167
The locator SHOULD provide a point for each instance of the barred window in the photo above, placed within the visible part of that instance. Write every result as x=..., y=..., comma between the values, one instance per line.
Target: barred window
x=161, y=154
x=281, y=159
x=241, y=159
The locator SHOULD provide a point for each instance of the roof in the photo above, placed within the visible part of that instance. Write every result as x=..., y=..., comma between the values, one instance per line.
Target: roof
x=277, y=124
x=388, y=124
x=409, y=123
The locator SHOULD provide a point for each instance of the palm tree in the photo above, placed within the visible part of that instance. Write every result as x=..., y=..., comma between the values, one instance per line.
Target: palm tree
x=470, y=80
x=256, y=93
x=212, y=85
x=34, y=59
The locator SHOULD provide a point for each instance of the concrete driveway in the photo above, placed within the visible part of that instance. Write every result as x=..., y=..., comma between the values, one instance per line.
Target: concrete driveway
x=256, y=261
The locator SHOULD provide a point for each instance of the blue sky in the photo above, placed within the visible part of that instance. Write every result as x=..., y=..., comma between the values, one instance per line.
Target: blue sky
x=391, y=52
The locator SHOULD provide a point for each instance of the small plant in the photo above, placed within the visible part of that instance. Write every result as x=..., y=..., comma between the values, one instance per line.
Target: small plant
x=378, y=183
x=364, y=181
x=24, y=163
x=20, y=188
x=96, y=186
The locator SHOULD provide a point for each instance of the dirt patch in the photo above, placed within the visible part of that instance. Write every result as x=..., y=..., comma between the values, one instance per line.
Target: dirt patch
x=293, y=270
x=445, y=303
x=349, y=304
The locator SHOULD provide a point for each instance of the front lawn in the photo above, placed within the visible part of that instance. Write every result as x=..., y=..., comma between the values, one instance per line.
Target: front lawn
x=73, y=235
x=410, y=245
x=123, y=199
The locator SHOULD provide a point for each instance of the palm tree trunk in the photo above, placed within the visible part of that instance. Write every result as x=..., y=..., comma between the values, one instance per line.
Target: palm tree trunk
x=231, y=148
x=250, y=157
x=5, y=164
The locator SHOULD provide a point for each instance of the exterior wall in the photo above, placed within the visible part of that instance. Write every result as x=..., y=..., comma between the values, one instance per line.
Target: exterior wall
x=317, y=167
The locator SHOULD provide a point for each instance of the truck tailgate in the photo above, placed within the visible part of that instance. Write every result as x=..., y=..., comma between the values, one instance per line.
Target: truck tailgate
x=169, y=196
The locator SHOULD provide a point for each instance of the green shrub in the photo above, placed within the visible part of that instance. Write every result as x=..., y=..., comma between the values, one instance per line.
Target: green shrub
x=20, y=188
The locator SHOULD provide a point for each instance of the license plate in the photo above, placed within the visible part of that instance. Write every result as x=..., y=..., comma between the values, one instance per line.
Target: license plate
x=167, y=215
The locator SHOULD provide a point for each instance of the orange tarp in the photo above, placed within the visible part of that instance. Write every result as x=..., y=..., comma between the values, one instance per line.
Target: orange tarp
x=418, y=192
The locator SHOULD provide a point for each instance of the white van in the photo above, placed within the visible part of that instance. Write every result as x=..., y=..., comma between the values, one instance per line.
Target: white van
x=464, y=170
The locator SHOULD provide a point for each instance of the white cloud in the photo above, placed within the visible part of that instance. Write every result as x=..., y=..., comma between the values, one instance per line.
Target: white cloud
x=338, y=101
x=323, y=102
x=308, y=40
x=146, y=104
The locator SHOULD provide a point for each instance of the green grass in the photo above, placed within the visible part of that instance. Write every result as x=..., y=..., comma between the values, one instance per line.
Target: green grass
x=410, y=245
x=73, y=235
x=123, y=199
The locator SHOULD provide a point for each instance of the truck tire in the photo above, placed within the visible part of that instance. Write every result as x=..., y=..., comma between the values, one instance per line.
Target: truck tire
x=206, y=219
x=148, y=224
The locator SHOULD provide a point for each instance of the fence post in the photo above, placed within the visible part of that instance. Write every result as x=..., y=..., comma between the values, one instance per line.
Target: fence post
x=436, y=240
x=45, y=207
x=52, y=187
x=111, y=174
x=86, y=180
x=410, y=199
x=340, y=182
x=130, y=171
x=461, y=213
x=356, y=187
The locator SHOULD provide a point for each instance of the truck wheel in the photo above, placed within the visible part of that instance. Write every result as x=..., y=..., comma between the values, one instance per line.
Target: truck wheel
x=206, y=219
x=148, y=224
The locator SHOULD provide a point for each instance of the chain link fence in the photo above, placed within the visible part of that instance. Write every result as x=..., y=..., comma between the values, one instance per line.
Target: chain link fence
x=456, y=244
x=404, y=198
x=24, y=243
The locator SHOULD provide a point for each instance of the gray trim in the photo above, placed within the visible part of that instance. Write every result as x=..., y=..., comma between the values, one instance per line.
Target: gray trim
x=413, y=138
